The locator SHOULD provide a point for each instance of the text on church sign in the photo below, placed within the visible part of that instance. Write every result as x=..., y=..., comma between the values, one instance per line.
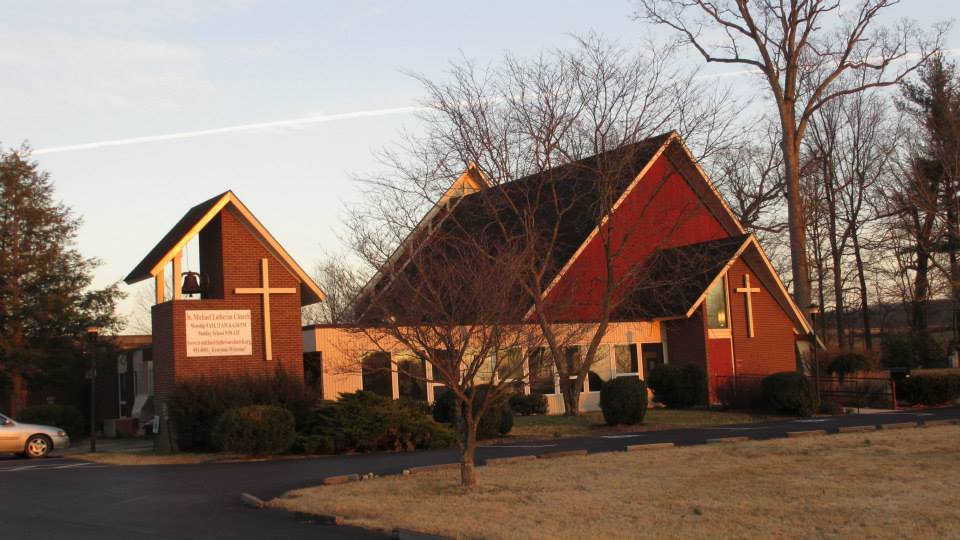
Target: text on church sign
x=218, y=332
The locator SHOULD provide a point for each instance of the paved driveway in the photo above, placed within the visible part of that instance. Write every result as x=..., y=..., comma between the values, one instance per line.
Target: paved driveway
x=62, y=498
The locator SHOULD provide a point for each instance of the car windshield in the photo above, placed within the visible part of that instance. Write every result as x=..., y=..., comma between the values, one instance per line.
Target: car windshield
x=4, y=419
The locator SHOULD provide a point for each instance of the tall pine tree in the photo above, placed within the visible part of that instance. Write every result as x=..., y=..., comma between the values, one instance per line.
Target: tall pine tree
x=44, y=301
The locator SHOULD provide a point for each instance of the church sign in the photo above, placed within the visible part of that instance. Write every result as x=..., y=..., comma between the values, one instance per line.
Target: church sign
x=219, y=332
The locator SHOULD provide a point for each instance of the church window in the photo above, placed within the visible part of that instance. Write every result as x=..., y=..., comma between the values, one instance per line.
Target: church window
x=717, y=306
x=377, y=377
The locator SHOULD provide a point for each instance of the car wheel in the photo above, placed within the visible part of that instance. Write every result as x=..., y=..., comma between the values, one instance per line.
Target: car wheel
x=38, y=446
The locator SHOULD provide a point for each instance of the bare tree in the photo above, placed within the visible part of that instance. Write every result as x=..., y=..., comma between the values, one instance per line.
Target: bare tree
x=801, y=54
x=541, y=118
x=454, y=309
x=341, y=280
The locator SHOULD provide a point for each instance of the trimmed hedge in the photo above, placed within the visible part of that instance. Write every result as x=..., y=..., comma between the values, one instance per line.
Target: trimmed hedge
x=257, y=430
x=847, y=364
x=65, y=417
x=931, y=389
x=678, y=387
x=196, y=406
x=526, y=405
x=623, y=400
x=366, y=422
x=789, y=392
x=497, y=421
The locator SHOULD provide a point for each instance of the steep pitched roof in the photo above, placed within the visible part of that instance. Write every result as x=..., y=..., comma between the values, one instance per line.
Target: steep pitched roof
x=497, y=213
x=674, y=280
x=564, y=200
x=195, y=220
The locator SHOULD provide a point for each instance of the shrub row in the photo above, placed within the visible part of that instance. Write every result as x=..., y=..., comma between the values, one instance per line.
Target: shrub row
x=257, y=430
x=931, y=389
x=196, y=406
x=495, y=422
x=66, y=417
x=678, y=386
x=526, y=405
x=365, y=422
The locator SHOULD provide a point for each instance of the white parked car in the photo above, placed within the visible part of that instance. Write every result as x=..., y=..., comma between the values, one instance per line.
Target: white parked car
x=30, y=440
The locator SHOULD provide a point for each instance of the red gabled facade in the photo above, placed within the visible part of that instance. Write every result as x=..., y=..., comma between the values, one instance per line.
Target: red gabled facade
x=659, y=211
x=670, y=205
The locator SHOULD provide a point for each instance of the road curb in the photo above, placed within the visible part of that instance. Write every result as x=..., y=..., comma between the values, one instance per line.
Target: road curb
x=342, y=479
x=947, y=422
x=507, y=460
x=253, y=502
x=431, y=468
x=899, y=425
x=650, y=446
x=322, y=519
x=808, y=433
x=567, y=453
x=404, y=534
x=722, y=440
x=856, y=429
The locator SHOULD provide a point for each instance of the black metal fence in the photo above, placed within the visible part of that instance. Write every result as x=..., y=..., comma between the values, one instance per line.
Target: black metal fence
x=744, y=391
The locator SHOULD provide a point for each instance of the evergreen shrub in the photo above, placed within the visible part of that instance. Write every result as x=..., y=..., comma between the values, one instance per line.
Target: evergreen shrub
x=623, y=400
x=846, y=364
x=197, y=405
x=678, y=387
x=789, y=392
x=365, y=422
x=931, y=389
x=65, y=417
x=257, y=430
x=526, y=405
x=496, y=421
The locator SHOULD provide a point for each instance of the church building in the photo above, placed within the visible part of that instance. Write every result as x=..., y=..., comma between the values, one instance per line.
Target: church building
x=708, y=295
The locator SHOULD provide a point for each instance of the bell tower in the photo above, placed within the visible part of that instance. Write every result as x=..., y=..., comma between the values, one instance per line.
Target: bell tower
x=238, y=316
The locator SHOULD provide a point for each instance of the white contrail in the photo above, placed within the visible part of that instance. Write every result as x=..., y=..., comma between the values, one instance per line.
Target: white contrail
x=318, y=120
x=232, y=129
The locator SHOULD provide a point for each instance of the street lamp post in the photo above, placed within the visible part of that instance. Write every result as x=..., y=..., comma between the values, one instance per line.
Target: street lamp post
x=814, y=310
x=92, y=334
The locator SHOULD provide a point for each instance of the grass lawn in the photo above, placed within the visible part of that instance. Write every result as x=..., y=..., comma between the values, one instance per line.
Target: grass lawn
x=891, y=484
x=591, y=423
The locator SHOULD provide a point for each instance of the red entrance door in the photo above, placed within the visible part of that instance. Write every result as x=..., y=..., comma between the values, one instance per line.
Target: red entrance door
x=720, y=355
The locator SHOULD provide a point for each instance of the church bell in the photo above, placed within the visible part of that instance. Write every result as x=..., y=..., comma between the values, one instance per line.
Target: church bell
x=191, y=283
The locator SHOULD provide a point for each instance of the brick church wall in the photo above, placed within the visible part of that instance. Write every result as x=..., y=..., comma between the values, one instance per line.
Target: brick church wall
x=241, y=253
x=686, y=340
x=772, y=348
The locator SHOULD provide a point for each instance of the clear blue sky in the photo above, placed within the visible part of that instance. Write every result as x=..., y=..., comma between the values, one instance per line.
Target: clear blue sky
x=106, y=70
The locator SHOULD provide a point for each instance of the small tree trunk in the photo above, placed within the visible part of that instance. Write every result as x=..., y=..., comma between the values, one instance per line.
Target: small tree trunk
x=466, y=429
x=571, y=396
x=468, y=469
x=864, y=295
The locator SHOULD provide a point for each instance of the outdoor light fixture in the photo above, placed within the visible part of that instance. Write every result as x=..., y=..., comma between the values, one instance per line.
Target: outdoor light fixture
x=813, y=309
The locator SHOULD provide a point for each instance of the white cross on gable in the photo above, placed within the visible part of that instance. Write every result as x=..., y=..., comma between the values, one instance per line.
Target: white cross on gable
x=266, y=291
x=748, y=291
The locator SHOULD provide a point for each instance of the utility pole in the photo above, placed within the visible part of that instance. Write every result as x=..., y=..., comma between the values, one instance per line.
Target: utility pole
x=92, y=334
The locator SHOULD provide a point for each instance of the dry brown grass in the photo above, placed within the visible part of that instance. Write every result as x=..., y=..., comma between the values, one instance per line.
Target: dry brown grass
x=591, y=423
x=891, y=484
